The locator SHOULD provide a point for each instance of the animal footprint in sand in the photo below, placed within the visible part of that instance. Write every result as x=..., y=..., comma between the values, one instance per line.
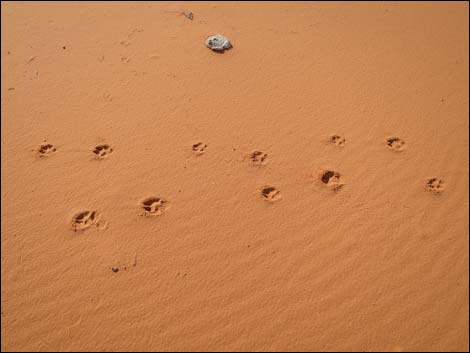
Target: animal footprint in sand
x=258, y=158
x=199, y=148
x=84, y=220
x=395, y=143
x=102, y=151
x=154, y=206
x=435, y=185
x=45, y=150
x=331, y=179
x=270, y=193
x=338, y=140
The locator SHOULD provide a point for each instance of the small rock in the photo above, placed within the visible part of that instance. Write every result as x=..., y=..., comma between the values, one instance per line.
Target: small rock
x=218, y=42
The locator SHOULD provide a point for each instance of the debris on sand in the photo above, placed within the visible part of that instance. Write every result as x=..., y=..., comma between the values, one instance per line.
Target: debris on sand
x=218, y=42
x=188, y=15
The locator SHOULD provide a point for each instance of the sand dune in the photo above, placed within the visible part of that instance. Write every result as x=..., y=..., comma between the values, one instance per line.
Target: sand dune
x=306, y=189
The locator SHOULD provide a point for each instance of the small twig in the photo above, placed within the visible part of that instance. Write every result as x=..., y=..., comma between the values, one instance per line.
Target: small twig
x=188, y=15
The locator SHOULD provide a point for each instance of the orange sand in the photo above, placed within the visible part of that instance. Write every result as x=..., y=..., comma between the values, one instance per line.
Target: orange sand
x=235, y=252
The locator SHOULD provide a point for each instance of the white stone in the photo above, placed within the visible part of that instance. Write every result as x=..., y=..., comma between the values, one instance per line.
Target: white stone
x=218, y=42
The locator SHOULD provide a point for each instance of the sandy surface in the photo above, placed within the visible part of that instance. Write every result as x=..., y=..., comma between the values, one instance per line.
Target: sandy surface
x=144, y=222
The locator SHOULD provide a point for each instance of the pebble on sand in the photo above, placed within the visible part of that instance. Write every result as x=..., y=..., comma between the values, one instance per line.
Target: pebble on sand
x=218, y=42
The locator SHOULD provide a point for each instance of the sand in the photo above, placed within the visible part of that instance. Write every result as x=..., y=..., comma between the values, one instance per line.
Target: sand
x=305, y=190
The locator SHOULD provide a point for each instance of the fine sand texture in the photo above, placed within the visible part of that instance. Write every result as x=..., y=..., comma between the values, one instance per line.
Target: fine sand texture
x=306, y=189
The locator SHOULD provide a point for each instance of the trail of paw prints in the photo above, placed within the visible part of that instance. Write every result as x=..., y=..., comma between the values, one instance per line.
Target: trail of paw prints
x=435, y=185
x=332, y=179
x=127, y=41
x=199, y=148
x=258, y=158
x=338, y=140
x=102, y=151
x=154, y=206
x=127, y=265
x=270, y=193
x=395, y=143
x=45, y=150
x=117, y=268
x=86, y=219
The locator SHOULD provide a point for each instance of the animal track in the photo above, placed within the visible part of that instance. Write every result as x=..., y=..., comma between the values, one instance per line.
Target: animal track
x=270, y=193
x=435, y=185
x=154, y=206
x=258, y=158
x=338, y=140
x=127, y=265
x=84, y=220
x=331, y=179
x=45, y=150
x=199, y=148
x=395, y=143
x=102, y=151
